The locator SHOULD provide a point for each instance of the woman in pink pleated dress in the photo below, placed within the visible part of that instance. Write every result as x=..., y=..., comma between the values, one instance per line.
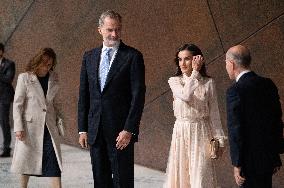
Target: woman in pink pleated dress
x=197, y=121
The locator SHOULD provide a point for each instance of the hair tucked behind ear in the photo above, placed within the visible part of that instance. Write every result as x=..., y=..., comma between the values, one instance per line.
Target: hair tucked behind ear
x=194, y=50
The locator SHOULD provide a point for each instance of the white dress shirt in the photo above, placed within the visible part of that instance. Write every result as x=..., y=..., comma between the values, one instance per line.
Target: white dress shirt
x=112, y=53
x=241, y=74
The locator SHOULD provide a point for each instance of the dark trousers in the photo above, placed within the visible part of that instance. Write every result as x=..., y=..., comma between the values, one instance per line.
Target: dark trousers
x=258, y=181
x=112, y=168
x=5, y=125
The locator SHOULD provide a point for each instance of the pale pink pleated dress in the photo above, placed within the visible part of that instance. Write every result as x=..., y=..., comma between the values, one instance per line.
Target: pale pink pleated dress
x=197, y=120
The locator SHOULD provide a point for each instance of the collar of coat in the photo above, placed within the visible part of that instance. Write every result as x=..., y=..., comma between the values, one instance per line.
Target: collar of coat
x=52, y=86
x=32, y=78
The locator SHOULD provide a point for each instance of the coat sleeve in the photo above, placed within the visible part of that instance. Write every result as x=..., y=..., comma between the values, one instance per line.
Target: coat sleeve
x=234, y=114
x=18, y=104
x=58, y=106
x=185, y=92
x=276, y=112
x=214, y=114
x=8, y=75
x=138, y=89
x=84, y=98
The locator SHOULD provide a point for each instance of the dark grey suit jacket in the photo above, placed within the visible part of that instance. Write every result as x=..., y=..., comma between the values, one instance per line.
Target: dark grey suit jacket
x=254, y=124
x=120, y=105
x=7, y=74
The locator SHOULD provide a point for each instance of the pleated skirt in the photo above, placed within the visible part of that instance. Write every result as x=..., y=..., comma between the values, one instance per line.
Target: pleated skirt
x=189, y=164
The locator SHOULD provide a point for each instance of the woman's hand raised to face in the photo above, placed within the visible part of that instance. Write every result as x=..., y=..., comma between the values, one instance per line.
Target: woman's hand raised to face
x=197, y=62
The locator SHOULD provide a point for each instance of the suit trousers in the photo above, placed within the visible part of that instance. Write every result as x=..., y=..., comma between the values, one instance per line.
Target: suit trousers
x=258, y=181
x=5, y=125
x=112, y=168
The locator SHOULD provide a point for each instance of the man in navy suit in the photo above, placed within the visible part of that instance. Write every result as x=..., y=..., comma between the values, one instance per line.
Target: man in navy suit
x=7, y=73
x=111, y=102
x=254, y=120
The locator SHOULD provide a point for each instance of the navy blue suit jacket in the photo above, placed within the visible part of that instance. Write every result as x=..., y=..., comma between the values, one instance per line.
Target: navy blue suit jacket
x=120, y=105
x=7, y=74
x=254, y=124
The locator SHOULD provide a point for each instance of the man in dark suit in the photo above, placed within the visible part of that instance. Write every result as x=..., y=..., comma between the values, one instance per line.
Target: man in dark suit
x=7, y=73
x=254, y=122
x=111, y=101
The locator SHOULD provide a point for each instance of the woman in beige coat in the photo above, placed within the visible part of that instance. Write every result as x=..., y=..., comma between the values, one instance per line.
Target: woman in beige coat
x=35, y=109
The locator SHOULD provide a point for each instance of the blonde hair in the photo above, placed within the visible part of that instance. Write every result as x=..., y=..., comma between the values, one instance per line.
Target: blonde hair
x=35, y=62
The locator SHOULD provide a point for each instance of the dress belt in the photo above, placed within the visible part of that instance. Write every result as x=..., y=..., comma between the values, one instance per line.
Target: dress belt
x=192, y=120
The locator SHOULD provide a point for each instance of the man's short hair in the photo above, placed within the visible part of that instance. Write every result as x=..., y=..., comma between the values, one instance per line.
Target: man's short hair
x=2, y=48
x=111, y=14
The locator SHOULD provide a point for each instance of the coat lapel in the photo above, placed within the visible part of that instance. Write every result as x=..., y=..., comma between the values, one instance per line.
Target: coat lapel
x=3, y=64
x=52, y=86
x=116, y=64
x=94, y=66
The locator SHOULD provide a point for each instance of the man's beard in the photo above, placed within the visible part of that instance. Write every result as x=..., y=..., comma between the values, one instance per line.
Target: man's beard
x=112, y=42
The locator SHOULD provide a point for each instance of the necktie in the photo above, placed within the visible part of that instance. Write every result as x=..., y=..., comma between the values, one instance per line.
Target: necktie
x=104, y=67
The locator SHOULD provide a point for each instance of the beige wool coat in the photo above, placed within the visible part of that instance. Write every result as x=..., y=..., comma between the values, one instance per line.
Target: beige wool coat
x=31, y=111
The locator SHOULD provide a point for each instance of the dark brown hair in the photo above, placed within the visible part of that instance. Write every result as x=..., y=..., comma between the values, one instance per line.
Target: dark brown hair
x=194, y=50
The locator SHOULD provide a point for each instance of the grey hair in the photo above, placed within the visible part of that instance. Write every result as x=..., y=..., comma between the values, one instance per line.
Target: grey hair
x=242, y=59
x=111, y=14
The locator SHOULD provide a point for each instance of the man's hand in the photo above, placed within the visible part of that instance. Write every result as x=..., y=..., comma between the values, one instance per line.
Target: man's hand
x=83, y=140
x=123, y=139
x=20, y=135
x=237, y=174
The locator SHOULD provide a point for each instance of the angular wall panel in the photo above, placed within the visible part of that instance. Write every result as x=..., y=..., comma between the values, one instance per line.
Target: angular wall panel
x=237, y=20
x=155, y=134
x=11, y=11
x=158, y=28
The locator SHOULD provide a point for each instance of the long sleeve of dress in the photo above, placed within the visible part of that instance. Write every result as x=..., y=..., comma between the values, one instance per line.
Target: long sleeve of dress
x=214, y=115
x=184, y=91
